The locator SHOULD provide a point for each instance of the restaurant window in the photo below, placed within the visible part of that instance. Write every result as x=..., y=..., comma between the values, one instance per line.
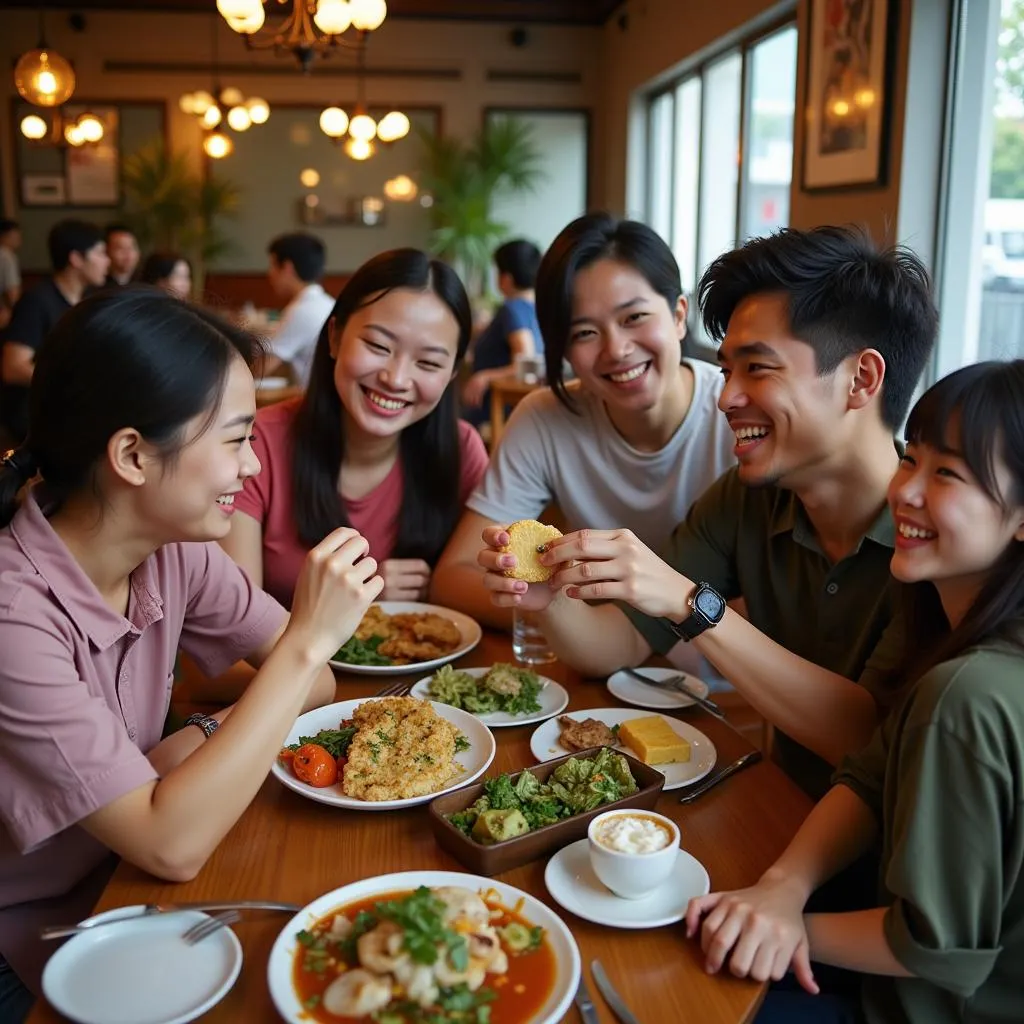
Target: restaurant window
x=720, y=150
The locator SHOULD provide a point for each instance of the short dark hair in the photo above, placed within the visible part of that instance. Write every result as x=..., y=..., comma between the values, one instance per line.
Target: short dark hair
x=430, y=450
x=844, y=295
x=120, y=358
x=7, y=224
x=158, y=266
x=586, y=240
x=68, y=236
x=305, y=252
x=519, y=259
x=117, y=229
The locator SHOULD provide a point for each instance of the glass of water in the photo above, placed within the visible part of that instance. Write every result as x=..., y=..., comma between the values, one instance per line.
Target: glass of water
x=529, y=645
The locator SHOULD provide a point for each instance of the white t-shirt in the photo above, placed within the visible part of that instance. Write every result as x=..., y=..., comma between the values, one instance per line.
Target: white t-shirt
x=548, y=453
x=303, y=318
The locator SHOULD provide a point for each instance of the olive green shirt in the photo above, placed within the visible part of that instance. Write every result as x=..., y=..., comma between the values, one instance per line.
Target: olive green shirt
x=758, y=544
x=945, y=776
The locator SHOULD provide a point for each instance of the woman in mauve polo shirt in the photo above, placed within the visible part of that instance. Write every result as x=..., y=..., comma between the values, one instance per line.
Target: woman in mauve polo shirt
x=376, y=442
x=139, y=419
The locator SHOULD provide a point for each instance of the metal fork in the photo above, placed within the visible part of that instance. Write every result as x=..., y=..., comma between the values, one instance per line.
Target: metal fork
x=394, y=690
x=205, y=928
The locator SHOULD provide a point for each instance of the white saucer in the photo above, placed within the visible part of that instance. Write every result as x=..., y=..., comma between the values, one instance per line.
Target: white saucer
x=574, y=886
x=141, y=971
x=632, y=691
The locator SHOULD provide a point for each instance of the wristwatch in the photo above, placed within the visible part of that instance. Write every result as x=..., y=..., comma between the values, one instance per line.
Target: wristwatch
x=707, y=606
x=205, y=722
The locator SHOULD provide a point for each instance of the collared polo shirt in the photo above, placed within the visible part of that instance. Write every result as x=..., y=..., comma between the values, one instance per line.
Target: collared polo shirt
x=758, y=544
x=84, y=692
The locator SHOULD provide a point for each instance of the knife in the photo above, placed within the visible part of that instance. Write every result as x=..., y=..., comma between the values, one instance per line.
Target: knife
x=620, y=1009
x=750, y=757
x=585, y=1004
x=59, y=931
x=679, y=683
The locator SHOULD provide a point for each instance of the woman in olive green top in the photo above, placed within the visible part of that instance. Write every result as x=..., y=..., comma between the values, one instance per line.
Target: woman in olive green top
x=942, y=782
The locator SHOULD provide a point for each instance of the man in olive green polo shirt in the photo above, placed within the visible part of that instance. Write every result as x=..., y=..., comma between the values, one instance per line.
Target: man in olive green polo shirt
x=823, y=341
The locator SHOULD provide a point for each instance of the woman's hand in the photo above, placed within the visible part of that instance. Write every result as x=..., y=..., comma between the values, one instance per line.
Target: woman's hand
x=405, y=579
x=760, y=930
x=615, y=565
x=336, y=585
x=475, y=388
x=505, y=591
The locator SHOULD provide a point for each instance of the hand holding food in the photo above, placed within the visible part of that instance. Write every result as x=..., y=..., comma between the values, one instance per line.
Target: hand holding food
x=515, y=575
x=338, y=582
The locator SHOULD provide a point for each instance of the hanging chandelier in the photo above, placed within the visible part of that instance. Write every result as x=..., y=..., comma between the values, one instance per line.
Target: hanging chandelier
x=42, y=76
x=87, y=129
x=311, y=28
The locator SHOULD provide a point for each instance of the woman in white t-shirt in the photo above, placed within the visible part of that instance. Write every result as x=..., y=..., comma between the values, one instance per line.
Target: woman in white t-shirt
x=639, y=436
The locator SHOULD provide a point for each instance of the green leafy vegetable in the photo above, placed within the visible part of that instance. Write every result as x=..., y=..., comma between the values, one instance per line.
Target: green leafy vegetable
x=461, y=744
x=335, y=741
x=503, y=687
x=362, y=652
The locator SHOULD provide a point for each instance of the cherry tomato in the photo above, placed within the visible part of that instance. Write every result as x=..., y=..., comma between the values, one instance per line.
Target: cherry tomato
x=286, y=756
x=315, y=766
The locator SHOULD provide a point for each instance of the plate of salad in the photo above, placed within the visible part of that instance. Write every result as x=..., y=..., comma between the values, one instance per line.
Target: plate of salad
x=501, y=695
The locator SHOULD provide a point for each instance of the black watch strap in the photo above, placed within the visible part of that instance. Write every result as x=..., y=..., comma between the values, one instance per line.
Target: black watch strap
x=208, y=724
x=707, y=607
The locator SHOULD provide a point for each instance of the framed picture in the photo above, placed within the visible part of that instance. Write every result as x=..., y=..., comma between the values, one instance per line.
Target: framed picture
x=93, y=172
x=848, y=81
x=42, y=190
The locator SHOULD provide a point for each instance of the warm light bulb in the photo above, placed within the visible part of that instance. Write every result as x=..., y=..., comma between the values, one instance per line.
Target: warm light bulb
x=363, y=127
x=368, y=14
x=217, y=145
x=310, y=177
x=840, y=108
x=334, y=122
x=359, y=149
x=238, y=8
x=33, y=127
x=250, y=24
x=259, y=110
x=201, y=102
x=239, y=119
x=212, y=116
x=402, y=189
x=91, y=127
x=187, y=103
x=393, y=126
x=333, y=17
x=73, y=134
x=864, y=97
x=44, y=78
x=232, y=96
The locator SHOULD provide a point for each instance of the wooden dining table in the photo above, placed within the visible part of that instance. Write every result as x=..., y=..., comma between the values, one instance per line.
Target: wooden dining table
x=288, y=848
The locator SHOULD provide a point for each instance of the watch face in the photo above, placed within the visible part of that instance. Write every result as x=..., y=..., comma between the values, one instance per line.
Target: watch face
x=709, y=604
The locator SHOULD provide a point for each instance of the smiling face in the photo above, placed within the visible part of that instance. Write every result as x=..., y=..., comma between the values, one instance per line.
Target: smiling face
x=788, y=419
x=948, y=528
x=624, y=340
x=393, y=360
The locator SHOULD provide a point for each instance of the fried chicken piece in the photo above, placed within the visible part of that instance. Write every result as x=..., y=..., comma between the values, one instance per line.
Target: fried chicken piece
x=583, y=734
x=375, y=623
x=402, y=651
x=436, y=629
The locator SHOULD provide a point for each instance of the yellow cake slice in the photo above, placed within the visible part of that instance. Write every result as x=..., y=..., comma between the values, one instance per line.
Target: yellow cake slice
x=654, y=741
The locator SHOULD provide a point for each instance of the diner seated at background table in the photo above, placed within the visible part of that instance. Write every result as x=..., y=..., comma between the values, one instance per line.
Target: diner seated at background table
x=170, y=271
x=10, y=268
x=941, y=780
x=607, y=452
x=123, y=253
x=139, y=426
x=375, y=442
x=823, y=339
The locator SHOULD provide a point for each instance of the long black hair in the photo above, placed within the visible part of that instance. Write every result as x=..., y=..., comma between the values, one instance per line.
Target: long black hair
x=429, y=448
x=593, y=237
x=125, y=358
x=979, y=412
x=158, y=266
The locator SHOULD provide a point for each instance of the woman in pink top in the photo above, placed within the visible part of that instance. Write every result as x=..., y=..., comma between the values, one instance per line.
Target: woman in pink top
x=376, y=443
x=139, y=419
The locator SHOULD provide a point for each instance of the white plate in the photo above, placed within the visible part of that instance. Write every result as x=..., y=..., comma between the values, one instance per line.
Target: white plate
x=553, y=698
x=632, y=691
x=474, y=761
x=141, y=971
x=567, y=955
x=469, y=628
x=573, y=885
x=544, y=744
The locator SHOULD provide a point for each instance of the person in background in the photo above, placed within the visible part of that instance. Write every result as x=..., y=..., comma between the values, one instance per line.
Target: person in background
x=139, y=426
x=10, y=270
x=296, y=265
x=941, y=781
x=513, y=333
x=123, y=251
x=170, y=271
x=639, y=439
x=375, y=442
x=78, y=256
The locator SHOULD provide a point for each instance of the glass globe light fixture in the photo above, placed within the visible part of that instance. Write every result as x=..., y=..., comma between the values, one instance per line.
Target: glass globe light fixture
x=44, y=78
x=333, y=17
x=359, y=149
x=217, y=145
x=34, y=127
x=239, y=119
x=334, y=122
x=362, y=127
x=368, y=15
x=393, y=126
x=90, y=127
x=259, y=110
x=212, y=117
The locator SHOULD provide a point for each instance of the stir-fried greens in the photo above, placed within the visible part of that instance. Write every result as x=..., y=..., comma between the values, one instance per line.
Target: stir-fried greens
x=510, y=808
x=362, y=652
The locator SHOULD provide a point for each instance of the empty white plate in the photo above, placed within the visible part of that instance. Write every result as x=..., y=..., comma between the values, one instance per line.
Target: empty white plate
x=629, y=689
x=141, y=971
x=573, y=885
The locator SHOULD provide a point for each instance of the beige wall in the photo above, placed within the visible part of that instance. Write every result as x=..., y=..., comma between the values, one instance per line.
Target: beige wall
x=661, y=35
x=472, y=49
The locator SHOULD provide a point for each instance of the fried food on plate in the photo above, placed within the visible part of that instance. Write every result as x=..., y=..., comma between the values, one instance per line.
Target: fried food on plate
x=589, y=732
x=375, y=622
x=525, y=538
x=409, y=636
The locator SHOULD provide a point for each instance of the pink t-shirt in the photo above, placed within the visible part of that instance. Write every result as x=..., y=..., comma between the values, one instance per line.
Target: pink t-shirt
x=268, y=498
x=84, y=693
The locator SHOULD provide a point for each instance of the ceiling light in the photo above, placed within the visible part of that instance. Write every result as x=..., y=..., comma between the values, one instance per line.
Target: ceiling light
x=217, y=145
x=259, y=110
x=91, y=128
x=362, y=127
x=393, y=126
x=201, y=102
x=239, y=119
x=368, y=15
x=334, y=122
x=310, y=177
x=211, y=118
x=73, y=134
x=34, y=127
x=44, y=78
x=359, y=149
x=402, y=189
x=333, y=16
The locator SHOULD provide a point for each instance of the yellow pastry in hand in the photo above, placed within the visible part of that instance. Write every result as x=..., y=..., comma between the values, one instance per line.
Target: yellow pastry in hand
x=524, y=539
